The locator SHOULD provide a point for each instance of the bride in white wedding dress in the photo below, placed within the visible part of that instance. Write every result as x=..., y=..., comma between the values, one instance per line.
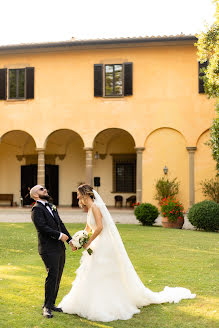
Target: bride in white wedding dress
x=106, y=286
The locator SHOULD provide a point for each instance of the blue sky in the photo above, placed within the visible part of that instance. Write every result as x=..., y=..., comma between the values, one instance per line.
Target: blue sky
x=27, y=21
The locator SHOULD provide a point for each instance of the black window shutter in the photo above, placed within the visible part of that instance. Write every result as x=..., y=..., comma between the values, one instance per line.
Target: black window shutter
x=3, y=84
x=128, y=72
x=29, y=82
x=201, y=88
x=98, y=80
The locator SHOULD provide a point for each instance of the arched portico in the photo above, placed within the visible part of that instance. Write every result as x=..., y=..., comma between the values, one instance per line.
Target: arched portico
x=165, y=147
x=17, y=152
x=62, y=165
x=115, y=164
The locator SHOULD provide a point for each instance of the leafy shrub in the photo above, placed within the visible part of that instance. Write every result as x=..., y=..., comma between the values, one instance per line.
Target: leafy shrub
x=205, y=215
x=210, y=189
x=146, y=213
x=166, y=188
x=171, y=208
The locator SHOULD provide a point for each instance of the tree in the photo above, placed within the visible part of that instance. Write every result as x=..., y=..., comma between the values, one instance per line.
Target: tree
x=208, y=50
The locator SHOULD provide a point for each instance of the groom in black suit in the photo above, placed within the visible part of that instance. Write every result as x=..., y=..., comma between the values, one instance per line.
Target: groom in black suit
x=52, y=234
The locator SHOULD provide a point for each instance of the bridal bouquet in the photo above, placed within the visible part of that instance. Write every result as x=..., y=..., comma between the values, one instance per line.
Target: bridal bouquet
x=80, y=238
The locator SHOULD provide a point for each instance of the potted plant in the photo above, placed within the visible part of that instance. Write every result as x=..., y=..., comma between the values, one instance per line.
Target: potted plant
x=165, y=187
x=172, y=213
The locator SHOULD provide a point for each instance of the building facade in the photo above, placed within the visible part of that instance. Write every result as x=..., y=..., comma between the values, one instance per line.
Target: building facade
x=112, y=113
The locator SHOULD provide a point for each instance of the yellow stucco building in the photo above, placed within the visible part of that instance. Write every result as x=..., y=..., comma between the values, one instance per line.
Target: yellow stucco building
x=116, y=110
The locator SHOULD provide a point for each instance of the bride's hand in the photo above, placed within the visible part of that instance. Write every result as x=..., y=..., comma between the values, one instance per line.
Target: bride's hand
x=72, y=247
x=86, y=245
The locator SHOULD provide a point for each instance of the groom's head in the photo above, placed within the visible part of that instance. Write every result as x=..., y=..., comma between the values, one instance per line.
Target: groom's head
x=39, y=192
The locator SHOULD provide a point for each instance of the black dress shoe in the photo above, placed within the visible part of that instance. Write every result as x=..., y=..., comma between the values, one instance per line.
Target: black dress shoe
x=56, y=309
x=47, y=313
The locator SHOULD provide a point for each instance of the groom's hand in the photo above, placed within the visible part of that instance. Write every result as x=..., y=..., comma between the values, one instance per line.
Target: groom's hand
x=64, y=237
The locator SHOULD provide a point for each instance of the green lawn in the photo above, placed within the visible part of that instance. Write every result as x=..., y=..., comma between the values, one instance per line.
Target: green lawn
x=160, y=256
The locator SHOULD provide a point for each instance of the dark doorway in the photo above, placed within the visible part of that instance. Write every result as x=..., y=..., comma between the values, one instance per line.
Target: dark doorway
x=29, y=179
x=52, y=182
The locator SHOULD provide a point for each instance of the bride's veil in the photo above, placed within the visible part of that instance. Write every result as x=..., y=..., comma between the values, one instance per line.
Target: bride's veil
x=139, y=293
x=111, y=229
x=109, y=224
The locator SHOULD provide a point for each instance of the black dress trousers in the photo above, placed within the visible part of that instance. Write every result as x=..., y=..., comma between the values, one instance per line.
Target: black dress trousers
x=54, y=263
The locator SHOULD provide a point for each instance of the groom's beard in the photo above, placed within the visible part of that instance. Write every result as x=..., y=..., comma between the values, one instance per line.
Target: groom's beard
x=46, y=197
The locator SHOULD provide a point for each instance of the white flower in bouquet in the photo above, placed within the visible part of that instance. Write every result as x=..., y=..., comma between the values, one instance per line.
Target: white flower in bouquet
x=80, y=238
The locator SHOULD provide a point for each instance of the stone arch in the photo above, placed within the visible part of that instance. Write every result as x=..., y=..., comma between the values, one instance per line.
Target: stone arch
x=65, y=163
x=205, y=166
x=111, y=134
x=165, y=127
x=165, y=147
x=113, y=145
x=63, y=131
x=18, y=134
x=17, y=149
x=206, y=130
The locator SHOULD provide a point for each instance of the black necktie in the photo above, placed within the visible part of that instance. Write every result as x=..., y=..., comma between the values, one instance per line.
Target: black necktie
x=48, y=205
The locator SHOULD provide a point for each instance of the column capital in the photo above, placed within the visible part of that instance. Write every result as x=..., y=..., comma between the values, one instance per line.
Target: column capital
x=40, y=149
x=88, y=148
x=139, y=149
x=191, y=149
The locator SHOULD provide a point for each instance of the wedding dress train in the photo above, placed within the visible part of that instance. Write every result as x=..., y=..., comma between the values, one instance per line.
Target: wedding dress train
x=106, y=286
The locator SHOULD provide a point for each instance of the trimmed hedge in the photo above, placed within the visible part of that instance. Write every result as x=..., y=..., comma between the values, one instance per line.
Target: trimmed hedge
x=146, y=213
x=205, y=215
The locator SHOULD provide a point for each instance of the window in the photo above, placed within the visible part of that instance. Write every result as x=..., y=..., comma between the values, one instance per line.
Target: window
x=201, y=74
x=16, y=83
x=124, y=173
x=113, y=80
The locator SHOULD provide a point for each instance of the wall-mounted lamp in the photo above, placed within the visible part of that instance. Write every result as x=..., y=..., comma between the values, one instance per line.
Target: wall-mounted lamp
x=165, y=169
x=99, y=156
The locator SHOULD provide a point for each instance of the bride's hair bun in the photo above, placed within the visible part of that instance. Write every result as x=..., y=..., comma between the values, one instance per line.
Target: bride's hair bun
x=86, y=189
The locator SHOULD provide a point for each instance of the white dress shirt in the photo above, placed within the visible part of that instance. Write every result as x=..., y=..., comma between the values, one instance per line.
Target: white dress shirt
x=50, y=211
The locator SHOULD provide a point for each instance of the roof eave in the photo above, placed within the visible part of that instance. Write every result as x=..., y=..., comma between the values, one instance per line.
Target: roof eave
x=98, y=42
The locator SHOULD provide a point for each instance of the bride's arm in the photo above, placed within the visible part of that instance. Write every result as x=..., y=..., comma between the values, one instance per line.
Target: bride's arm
x=87, y=228
x=99, y=225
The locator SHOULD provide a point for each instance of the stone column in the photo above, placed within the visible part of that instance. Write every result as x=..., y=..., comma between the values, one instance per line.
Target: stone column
x=89, y=165
x=139, y=151
x=41, y=166
x=191, y=151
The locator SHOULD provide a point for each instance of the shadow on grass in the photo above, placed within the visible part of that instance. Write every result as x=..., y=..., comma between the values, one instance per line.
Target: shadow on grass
x=153, y=316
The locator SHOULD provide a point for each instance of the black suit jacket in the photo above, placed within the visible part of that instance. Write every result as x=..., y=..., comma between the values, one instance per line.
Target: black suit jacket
x=48, y=229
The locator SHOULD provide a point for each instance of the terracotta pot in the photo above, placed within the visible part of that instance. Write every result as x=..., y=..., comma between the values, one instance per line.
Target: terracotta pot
x=177, y=224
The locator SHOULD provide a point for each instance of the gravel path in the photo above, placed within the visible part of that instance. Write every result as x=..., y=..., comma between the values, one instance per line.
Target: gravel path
x=70, y=215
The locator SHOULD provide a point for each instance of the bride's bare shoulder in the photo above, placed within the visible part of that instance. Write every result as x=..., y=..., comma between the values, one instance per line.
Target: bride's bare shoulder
x=95, y=208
